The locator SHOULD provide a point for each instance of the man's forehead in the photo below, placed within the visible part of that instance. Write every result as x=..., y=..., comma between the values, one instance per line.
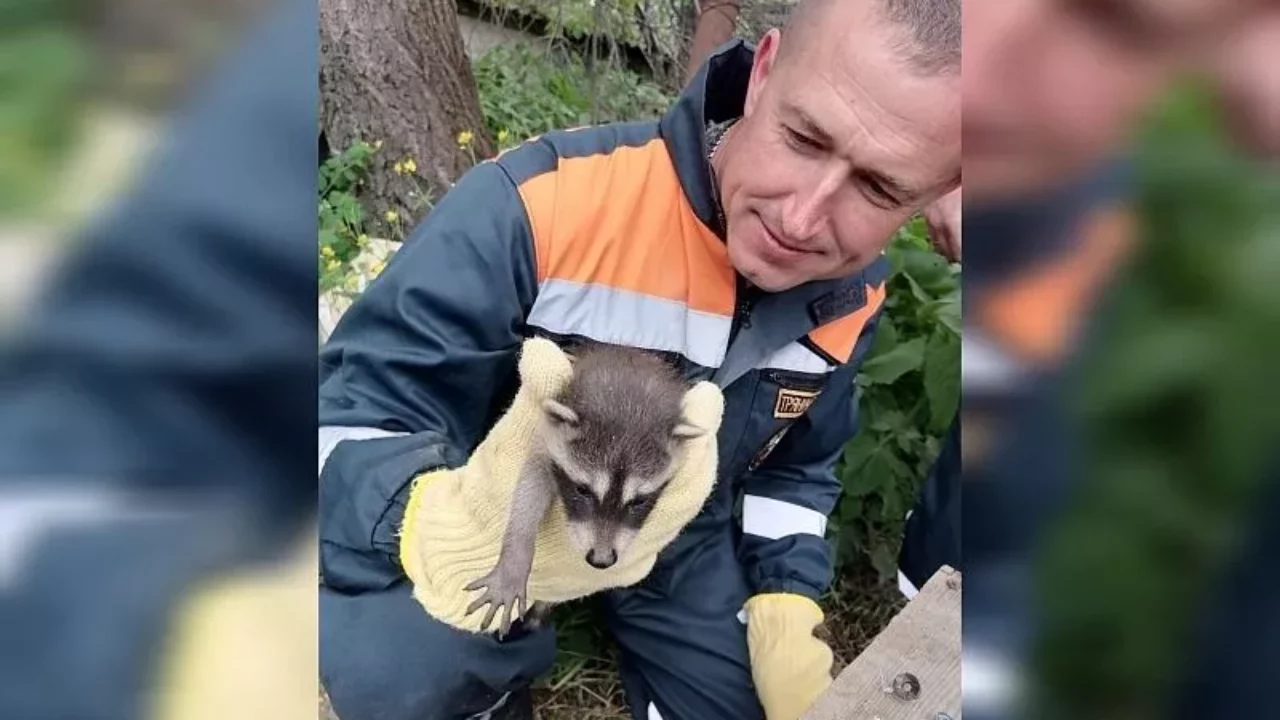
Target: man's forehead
x=881, y=112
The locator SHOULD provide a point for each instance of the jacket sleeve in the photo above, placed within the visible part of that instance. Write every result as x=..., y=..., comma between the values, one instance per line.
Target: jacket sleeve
x=788, y=498
x=415, y=369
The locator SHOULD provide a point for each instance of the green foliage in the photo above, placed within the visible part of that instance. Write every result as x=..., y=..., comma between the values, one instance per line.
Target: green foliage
x=909, y=392
x=342, y=217
x=526, y=90
x=1181, y=413
x=618, y=20
x=44, y=69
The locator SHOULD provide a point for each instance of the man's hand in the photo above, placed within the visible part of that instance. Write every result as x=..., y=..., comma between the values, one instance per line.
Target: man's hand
x=791, y=667
x=943, y=221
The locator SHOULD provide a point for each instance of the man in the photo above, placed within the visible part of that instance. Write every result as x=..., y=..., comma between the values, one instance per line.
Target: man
x=742, y=236
x=1051, y=91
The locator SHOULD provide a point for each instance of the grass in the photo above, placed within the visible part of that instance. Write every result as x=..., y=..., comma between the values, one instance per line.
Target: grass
x=585, y=686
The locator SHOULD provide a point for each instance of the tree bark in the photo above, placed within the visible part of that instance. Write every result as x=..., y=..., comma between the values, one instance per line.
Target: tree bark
x=715, y=25
x=396, y=71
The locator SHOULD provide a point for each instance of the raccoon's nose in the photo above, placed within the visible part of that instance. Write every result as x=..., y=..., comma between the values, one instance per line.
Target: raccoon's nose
x=601, y=559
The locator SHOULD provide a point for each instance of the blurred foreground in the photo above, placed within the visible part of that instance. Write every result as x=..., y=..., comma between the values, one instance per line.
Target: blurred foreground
x=157, y=372
x=1121, y=504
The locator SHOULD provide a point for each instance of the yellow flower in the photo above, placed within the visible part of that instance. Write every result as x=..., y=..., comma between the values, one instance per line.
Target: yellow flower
x=503, y=136
x=464, y=138
x=326, y=251
x=377, y=145
x=332, y=265
x=410, y=166
x=398, y=168
x=377, y=268
x=392, y=216
x=362, y=240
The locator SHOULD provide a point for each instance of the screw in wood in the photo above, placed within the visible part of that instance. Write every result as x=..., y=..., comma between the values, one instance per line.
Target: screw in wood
x=906, y=686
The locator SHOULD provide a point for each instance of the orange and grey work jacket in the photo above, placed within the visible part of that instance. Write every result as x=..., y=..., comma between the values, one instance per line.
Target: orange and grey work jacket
x=612, y=234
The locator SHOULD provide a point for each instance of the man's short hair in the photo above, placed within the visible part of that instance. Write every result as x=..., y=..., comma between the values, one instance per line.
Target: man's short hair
x=931, y=42
x=935, y=31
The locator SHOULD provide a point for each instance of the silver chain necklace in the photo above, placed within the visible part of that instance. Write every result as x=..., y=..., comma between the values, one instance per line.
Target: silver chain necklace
x=717, y=133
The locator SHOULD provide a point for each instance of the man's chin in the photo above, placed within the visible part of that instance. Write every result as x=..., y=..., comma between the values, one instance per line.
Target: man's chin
x=765, y=277
x=761, y=273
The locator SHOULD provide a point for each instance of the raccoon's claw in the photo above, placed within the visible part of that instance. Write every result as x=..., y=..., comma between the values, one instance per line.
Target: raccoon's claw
x=500, y=593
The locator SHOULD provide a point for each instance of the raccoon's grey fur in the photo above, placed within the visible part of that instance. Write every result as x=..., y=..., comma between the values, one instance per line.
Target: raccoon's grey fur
x=607, y=449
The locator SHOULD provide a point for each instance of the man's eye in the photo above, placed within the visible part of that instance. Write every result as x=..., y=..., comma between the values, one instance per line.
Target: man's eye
x=801, y=141
x=882, y=197
x=883, y=194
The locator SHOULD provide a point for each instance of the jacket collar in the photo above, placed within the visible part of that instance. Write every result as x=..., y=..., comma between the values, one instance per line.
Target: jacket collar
x=717, y=92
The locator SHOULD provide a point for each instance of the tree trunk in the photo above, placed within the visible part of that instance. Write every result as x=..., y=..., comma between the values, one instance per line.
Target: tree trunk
x=715, y=25
x=396, y=71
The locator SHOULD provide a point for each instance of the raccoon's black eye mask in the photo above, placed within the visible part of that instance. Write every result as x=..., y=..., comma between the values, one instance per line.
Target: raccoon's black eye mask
x=568, y=486
x=642, y=502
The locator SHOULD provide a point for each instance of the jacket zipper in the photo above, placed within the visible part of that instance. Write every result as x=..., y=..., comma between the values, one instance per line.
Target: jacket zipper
x=741, y=310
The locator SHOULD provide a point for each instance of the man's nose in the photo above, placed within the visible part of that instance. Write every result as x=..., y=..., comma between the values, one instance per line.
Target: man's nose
x=801, y=219
x=601, y=558
x=804, y=214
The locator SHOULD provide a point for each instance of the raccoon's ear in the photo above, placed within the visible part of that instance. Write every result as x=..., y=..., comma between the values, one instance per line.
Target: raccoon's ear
x=559, y=414
x=687, y=431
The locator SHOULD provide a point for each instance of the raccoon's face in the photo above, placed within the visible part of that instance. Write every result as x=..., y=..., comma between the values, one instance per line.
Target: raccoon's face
x=608, y=484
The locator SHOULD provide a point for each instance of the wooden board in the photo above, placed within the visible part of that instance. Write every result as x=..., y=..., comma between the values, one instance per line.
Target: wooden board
x=924, y=640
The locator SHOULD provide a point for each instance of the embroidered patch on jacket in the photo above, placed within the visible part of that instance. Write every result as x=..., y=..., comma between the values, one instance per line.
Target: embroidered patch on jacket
x=792, y=403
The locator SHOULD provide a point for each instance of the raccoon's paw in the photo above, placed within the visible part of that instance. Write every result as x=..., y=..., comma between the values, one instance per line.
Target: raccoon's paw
x=502, y=590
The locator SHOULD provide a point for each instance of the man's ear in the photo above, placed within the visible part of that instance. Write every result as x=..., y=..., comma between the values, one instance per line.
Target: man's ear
x=762, y=68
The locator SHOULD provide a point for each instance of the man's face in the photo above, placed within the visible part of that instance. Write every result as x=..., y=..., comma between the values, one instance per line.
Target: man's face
x=841, y=142
x=1052, y=86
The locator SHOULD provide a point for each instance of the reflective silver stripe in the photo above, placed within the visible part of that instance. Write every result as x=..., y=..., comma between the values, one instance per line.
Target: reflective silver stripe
x=984, y=367
x=988, y=681
x=797, y=358
x=31, y=510
x=622, y=317
x=653, y=713
x=331, y=435
x=488, y=714
x=773, y=519
x=905, y=587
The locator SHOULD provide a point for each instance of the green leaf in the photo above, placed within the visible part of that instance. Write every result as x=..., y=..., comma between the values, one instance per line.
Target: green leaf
x=850, y=507
x=942, y=379
x=885, y=563
x=949, y=313
x=857, y=453
x=881, y=470
x=890, y=421
x=886, y=337
x=928, y=269
x=891, y=365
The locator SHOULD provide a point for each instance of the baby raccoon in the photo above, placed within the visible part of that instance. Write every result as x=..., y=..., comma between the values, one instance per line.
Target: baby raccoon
x=606, y=450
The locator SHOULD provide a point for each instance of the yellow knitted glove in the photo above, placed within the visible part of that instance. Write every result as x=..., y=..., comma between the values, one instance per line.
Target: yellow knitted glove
x=244, y=646
x=455, y=519
x=791, y=668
